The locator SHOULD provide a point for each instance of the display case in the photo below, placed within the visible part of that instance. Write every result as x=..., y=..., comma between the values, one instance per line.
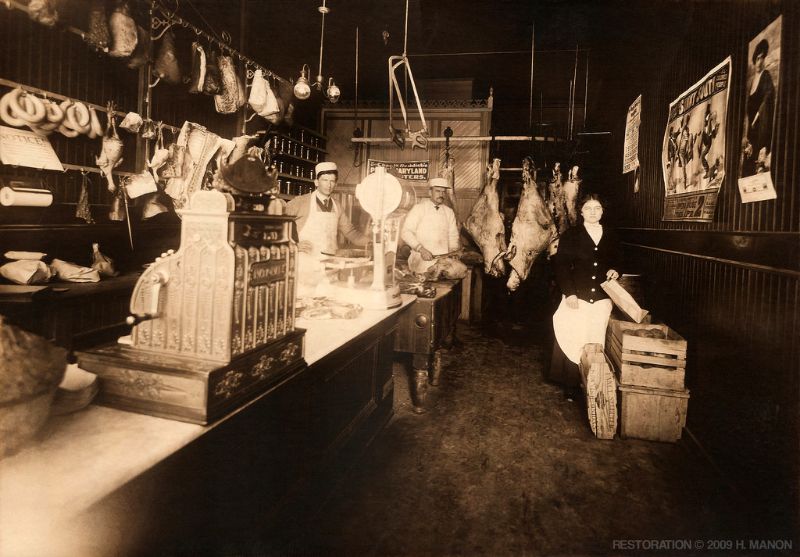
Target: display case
x=296, y=151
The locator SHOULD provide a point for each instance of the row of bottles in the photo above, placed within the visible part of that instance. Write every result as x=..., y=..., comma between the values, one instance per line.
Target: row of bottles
x=295, y=153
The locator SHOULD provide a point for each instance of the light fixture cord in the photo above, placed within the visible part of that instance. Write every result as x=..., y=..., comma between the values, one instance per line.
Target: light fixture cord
x=356, y=92
x=321, y=38
x=405, y=32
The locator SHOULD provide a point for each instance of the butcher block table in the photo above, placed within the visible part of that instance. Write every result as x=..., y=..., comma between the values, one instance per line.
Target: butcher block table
x=426, y=329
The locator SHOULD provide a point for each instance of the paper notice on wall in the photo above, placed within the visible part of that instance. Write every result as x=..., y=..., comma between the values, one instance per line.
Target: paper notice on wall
x=763, y=72
x=25, y=148
x=630, y=159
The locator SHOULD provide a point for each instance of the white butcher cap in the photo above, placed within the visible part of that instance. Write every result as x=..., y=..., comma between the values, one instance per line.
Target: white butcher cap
x=323, y=167
x=439, y=183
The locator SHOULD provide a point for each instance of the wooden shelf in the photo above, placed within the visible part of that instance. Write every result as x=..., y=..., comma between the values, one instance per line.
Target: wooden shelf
x=293, y=177
x=281, y=154
x=285, y=136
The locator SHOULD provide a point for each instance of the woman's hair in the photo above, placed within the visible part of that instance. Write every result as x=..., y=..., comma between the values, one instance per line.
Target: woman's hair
x=761, y=48
x=590, y=197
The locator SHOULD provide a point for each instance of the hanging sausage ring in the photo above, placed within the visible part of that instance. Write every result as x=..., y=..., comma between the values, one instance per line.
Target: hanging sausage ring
x=418, y=138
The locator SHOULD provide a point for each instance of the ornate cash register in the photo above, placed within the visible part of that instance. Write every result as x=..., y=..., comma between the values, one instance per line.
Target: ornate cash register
x=213, y=323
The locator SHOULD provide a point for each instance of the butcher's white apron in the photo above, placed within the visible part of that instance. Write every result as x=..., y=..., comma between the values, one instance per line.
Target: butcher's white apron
x=320, y=229
x=432, y=233
x=576, y=327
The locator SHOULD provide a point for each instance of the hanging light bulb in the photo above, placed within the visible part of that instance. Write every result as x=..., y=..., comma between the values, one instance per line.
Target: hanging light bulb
x=333, y=91
x=302, y=90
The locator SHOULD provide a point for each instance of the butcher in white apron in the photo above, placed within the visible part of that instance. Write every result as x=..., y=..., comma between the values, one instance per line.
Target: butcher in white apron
x=319, y=220
x=587, y=256
x=430, y=228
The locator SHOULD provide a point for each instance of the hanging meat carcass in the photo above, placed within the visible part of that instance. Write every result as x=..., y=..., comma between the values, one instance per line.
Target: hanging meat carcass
x=533, y=229
x=556, y=200
x=485, y=224
x=572, y=191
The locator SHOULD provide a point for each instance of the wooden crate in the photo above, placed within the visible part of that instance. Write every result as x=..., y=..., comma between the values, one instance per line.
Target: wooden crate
x=652, y=414
x=643, y=361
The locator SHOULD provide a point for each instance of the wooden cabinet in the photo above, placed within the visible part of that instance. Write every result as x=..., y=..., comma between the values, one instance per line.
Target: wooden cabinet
x=424, y=330
x=255, y=479
x=296, y=152
x=75, y=315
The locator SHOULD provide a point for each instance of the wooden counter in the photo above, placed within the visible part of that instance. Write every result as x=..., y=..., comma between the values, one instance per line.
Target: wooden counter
x=108, y=482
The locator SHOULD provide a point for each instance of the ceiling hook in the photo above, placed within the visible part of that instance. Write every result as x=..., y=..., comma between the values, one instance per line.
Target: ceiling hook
x=164, y=30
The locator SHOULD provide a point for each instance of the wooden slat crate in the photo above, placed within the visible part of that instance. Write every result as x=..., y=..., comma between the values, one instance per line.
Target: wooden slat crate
x=643, y=361
x=652, y=414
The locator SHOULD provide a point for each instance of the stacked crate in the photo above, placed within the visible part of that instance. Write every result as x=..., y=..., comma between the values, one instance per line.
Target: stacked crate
x=650, y=361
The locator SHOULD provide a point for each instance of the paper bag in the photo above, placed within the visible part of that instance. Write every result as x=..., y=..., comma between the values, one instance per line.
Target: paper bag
x=623, y=300
x=70, y=272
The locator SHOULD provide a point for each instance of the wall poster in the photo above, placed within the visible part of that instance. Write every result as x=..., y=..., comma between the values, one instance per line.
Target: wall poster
x=693, y=152
x=763, y=71
x=630, y=158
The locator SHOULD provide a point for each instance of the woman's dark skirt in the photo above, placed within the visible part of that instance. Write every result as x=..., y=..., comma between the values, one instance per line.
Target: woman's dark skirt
x=563, y=371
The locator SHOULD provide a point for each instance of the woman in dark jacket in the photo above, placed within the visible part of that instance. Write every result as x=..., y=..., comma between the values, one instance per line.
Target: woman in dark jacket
x=587, y=255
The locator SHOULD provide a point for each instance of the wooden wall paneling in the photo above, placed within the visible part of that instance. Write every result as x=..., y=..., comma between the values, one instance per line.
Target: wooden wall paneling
x=470, y=158
x=731, y=287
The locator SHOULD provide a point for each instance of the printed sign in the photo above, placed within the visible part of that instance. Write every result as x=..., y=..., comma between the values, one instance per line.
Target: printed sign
x=267, y=272
x=630, y=159
x=409, y=170
x=25, y=148
x=693, y=152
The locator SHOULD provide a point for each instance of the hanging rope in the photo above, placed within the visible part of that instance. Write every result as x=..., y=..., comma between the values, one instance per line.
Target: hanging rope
x=357, y=132
x=530, y=98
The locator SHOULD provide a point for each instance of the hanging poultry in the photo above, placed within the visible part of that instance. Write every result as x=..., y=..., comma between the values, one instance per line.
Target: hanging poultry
x=111, y=151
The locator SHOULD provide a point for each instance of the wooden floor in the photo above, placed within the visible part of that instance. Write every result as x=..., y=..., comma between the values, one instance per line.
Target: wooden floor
x=503, y=464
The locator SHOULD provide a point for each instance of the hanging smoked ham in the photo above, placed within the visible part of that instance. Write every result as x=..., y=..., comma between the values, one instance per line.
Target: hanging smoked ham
x=43, y=11
x=123, y=31
x=198, y=77
x=98, y=35
x=141, y=55
x=166, y=65
x=83, y=210
x=213, y=82
x=258, y=92
x=232, y=97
